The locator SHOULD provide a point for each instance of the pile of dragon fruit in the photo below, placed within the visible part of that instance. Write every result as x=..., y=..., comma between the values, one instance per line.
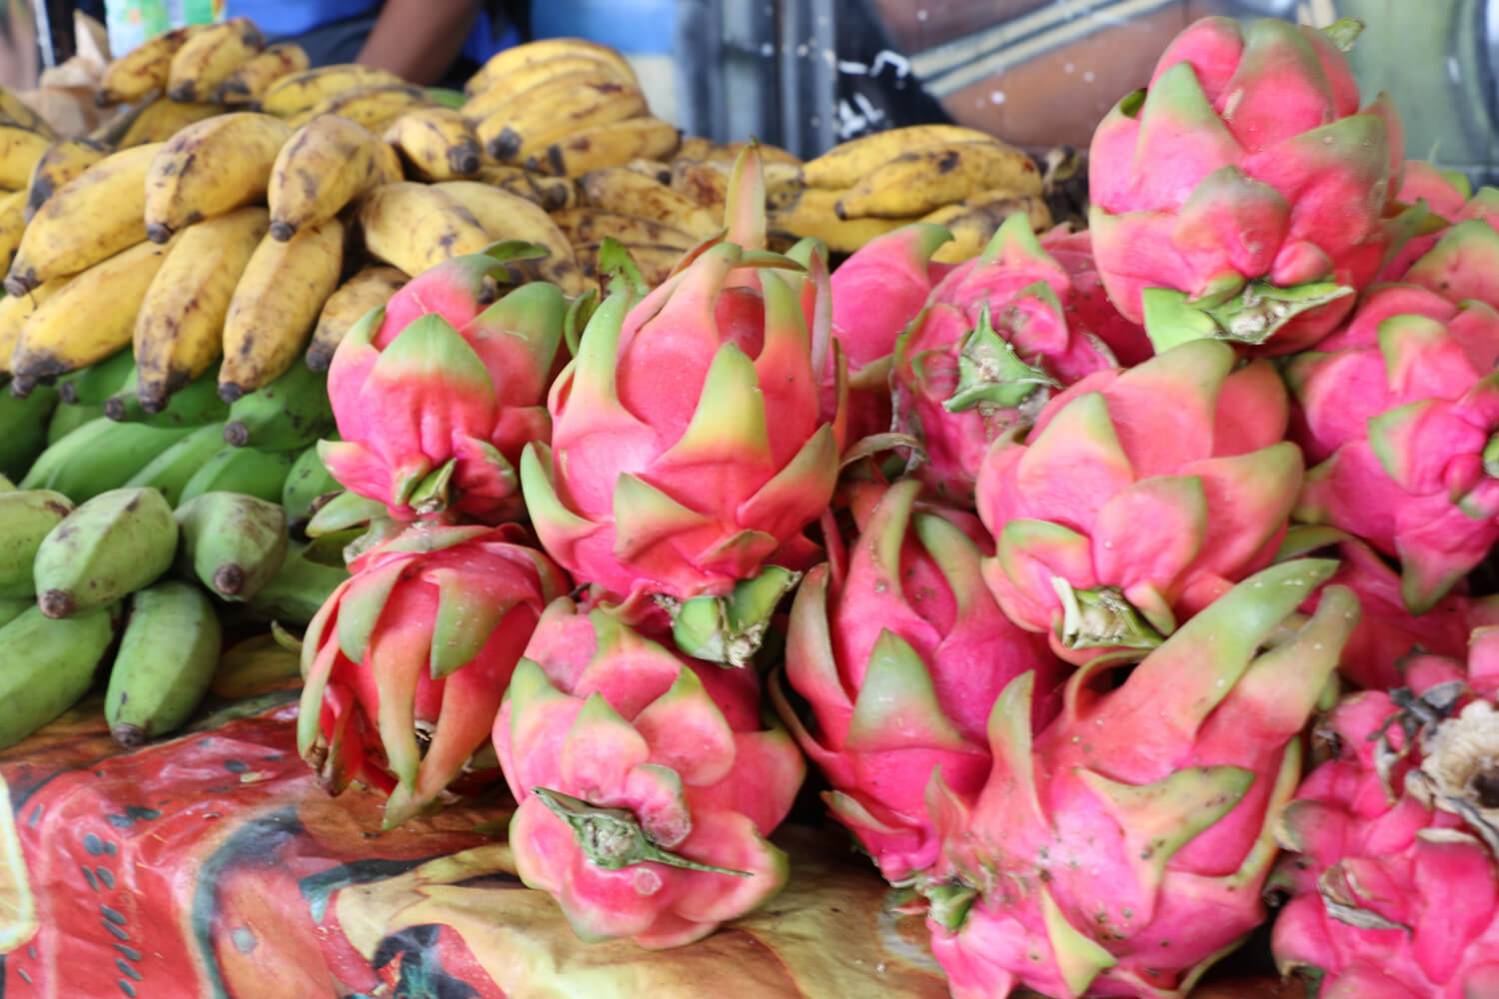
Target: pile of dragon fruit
x=1112, y=582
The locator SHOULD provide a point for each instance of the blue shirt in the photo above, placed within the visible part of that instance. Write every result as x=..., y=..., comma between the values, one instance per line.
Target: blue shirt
x=279, y=19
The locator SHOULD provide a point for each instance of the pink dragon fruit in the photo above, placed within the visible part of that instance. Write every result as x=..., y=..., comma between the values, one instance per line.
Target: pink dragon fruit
x=688, y=450
x=1120, y=851
x=646, y=783
x=436, y=394
x=900, y=651
x=1401, y=409
x=1461, y=264
x=1138, y=498
x=985, y=354
x=1089, y=307
x=1388, y=635
x=1243, y=194
x=1394, y=885
x=405, y=663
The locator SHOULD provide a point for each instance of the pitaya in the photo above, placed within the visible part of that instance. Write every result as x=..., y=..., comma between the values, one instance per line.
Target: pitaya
x=1089, y=307
x=1121, y=850
x=1462, y=264
x=1243, y=194
x=900, y=651
x=688, y=450
x=1394, y=882
x=646, y=782
x=996, y=337
x=1139, y=497
x=436, y=394
x=1401, y=409
x=405, y=664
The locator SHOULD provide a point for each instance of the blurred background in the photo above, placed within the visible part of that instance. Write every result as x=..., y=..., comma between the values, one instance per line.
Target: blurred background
x=806, y=74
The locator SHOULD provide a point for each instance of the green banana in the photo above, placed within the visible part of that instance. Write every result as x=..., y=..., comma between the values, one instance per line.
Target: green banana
x=289, y=414
x=240, y=470
x=23, y=429
x=96, y=383
x=6, y=486
x=166, y=661
x=233, y=543
x=344, y=512
x=306, y=483
x=10, y=609
x=49, y=665
x=171, y=470
x=106, y=549
x=294, y=594
x=195, y=404
x=66, y=419
x=26, y=518
x=99, y=456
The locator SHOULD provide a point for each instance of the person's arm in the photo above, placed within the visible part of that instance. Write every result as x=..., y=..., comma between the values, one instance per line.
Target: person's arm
x=418, y=39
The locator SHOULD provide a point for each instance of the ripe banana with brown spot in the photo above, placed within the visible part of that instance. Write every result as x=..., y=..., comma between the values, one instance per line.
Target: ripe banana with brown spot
x=584, y=225
x=706, y=182
x=245, y=86
x=974, y=221
x=417, y=226
x=525, y=78
x=326, y=164
x=541, y=116
x=302, y=91
x=17, y=111
x=275, y=305
x=514, y=60
x=178, y=333
x=374, y=107
x=207, y=58
x=435, y=143
x=162, y=119
x=20, y=148
x=850, y=162
x=812, y=213
x=925, y=179
x=143, y=69
x=608, y=145
x=351, y=302
x=87, y=319
x=63, y=160
x=210, y=168
x=12, y=224
x=625, y=192
x=89, y=219
x=14, y=311
x=551, y=193
x=505, y=216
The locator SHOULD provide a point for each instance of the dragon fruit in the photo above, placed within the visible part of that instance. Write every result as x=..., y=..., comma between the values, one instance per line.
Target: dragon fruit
x=1243, y=195
x=1394, y=885
x=985, y=354
x=1461, y=264
x=436, y=394
x=1089, y=307
x=405, y=663
x=1121, y=850
x=1401, y=409
x=1139, y=497
x=646, y=782
x=900, y=651
x=688, y=448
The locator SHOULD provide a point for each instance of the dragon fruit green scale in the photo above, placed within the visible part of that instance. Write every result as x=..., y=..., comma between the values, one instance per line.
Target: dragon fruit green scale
x=1120, y=850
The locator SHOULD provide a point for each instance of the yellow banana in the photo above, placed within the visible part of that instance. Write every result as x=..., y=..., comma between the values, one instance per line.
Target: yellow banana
x=179, y=331
x=544, y=115
x=20, y=148
x=90, y=218
x=919, y=181
x=695, y=147
x=974, y=221
x=246, y=85
x=521, y=57
x=508, y=216
x=17, y=111
x=655, y=261
x=846, y=164
x=524, y=78
x=210, y=168
x=14, y=311
x=783, y=183
x=300, y=91
x=207, y=58
x=374, y=107
x=625, y=192
x=417, y=226
x=325, y=165
x=143, y=69
x=87, y=319
x=551, y=193
x=369, y=289
x=436, y=143
x=162, y=119
x=275, y=305
x=607, y=145
x=12, y=224
x=583, y=225
x=813, y=214
x=62, y=161
x=706, y=182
